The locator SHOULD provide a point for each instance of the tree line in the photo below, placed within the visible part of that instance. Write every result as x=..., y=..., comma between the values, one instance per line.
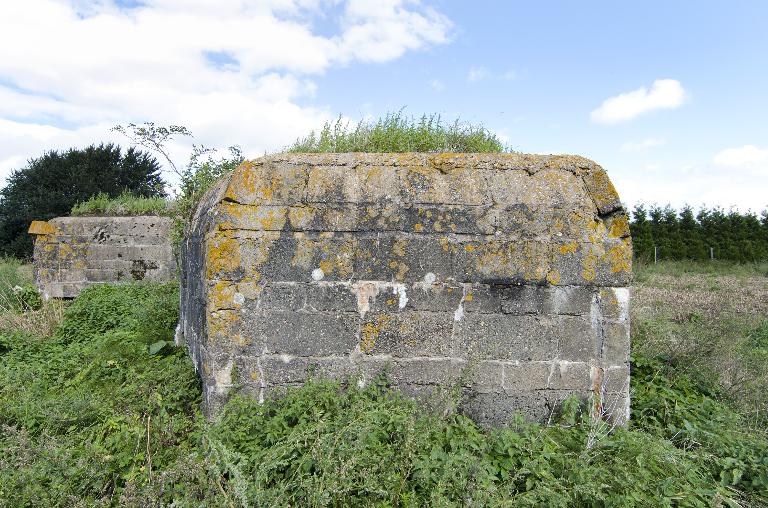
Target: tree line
x=708, y=233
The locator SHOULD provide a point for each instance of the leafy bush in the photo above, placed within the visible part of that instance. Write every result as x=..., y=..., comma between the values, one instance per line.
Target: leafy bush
x=88, y=411
x=322, y=445
x=126, y=203
x=396, y=132
x=686, y=412
x=200, y=174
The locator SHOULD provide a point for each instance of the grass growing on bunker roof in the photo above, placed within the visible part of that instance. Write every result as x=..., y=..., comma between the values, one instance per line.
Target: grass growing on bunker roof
x=124, y=204
x=397, y=132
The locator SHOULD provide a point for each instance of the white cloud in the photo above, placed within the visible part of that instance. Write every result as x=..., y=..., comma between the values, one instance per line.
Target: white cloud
x=663, y=94
x=642, y=145
x=747, y=157
x=86, y=66
x=478, y=74
x=691, y=184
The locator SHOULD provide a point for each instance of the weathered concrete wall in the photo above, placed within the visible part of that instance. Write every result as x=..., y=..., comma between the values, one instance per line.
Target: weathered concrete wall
x=505, y=273
x=72, y=253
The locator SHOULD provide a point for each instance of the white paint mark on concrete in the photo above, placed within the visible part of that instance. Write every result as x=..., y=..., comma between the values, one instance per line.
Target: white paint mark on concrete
x=458, y=315
x=365, y=291
x=223, y=378
x=399, y=289
x=430, y=278
x=317, y=274
x=262, y=381
x=178, y=335
x=286, y=358
x=239, y=298
x=622, y=298
x=361, y=383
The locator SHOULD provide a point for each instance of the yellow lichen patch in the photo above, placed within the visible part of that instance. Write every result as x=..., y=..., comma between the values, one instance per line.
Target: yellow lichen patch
x=326, y=266
x=445, y=162
x=429, y=213
x=244, y=181
x=445, y=243
x=370, y=331
x=254, y=376
x=469, y=247
x=569, y=248
x=224, y=325
x=398, y=247
x=301, y=217
x=304, y=253
x=391, y=301
x=418, y=227
x=601, y=190
x=222, y=296
x=619, y=227
x=589, y=268
x=273, y=220
x=468, y=297
x=620, y=256
x=223, y=256
x=553, y=277
x=438, y=227
x=41, y=227
x=233, y=210
x=401, y=268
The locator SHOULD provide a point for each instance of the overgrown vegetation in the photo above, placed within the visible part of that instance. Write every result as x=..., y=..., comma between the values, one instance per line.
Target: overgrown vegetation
x=126, y=203
x=200, y=174
x=683, y=235
x=105, y=411
x=396, y=132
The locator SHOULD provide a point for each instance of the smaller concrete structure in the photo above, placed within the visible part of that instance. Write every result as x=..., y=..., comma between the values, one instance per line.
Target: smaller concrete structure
x=72, y=253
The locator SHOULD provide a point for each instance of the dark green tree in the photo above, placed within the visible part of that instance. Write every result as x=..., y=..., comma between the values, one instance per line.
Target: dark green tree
x=690, y=236
x=642, y=237
x=50, y=185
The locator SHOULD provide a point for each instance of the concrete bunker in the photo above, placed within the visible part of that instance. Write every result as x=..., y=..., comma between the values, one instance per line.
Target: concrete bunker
x=506, y=274
x=72, y=253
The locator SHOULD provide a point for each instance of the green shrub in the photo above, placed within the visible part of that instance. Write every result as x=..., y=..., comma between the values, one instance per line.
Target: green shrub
x=685, y=411
x=89, y=411
x=396, y=132
x=126, y=203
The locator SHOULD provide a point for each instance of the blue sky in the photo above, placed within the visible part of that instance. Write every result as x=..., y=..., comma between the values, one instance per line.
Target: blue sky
x=670, y=97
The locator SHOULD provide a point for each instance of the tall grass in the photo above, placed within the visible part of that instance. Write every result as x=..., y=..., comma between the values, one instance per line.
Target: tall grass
x=124, y=204
x=21, y=308
x=397, y=132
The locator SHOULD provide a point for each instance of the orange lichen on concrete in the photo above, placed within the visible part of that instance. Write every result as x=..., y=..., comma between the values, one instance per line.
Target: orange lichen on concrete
x=601, y=190
x=620, y=256
x=371, y=330
x=569, y=248
x=41, y=227
x=553, y=277
x=223, y=255
x=589, y=267
x=618, y=227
